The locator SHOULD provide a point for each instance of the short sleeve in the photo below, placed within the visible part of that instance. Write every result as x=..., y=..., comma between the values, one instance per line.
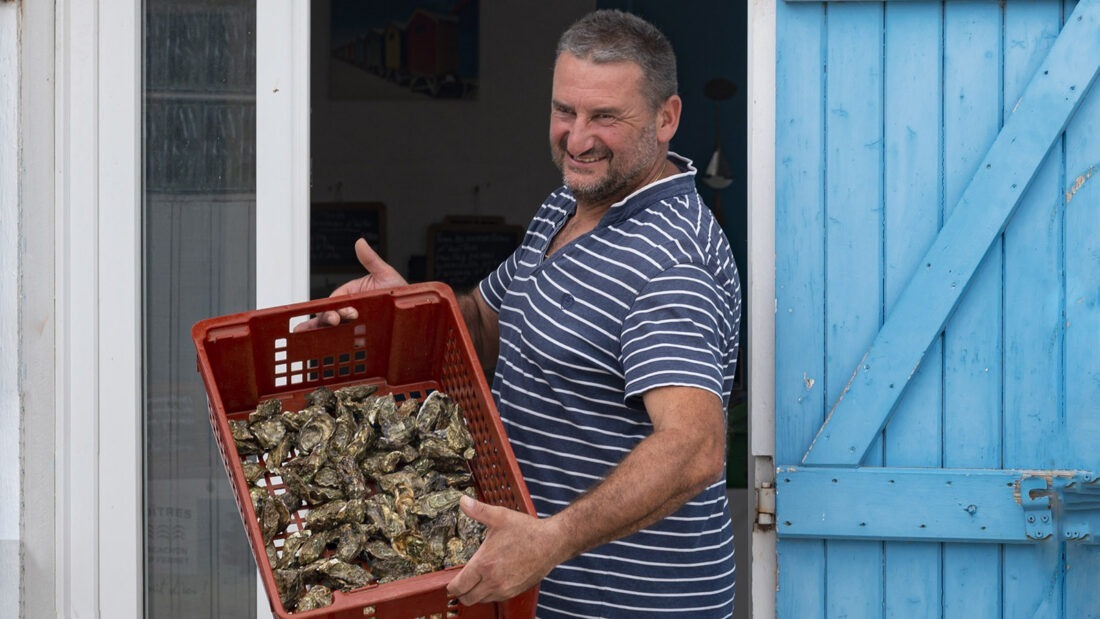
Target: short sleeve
x=676, y=333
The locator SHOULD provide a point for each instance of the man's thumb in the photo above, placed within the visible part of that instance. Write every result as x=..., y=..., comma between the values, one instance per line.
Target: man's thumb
x=366, y=254
x=475, y=509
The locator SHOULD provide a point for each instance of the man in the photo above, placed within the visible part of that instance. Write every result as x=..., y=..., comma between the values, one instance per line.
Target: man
x=614, y=333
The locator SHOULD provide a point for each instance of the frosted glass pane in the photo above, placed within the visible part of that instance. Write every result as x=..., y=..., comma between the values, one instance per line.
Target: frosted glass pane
x=199, y=214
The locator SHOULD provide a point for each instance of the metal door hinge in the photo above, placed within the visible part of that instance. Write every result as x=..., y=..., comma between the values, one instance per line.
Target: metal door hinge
x=1074, y=497
x=765, y=505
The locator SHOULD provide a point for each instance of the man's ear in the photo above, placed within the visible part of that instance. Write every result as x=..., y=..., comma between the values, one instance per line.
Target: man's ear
x=668, y=118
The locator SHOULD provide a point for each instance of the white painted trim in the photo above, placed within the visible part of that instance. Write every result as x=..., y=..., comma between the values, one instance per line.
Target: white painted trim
x=9, y=282
x=77, y=156
x=37, y=319
x=282, y=152
x=98, y=287
x=121, y=525
x=761, y=279
x=10, y=404
x=282, y=163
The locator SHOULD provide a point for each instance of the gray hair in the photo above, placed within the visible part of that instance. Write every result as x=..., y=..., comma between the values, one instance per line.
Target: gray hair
x=611, y=35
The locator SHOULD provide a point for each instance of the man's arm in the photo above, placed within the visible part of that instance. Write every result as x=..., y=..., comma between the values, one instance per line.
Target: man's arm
x=683, y=456
x=483, y=326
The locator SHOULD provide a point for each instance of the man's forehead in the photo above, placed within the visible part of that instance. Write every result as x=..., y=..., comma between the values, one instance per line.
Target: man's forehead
x=613, y=79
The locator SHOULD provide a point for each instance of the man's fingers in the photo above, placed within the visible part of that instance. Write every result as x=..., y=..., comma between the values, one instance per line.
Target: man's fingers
x=467, y=579
x=344, y=313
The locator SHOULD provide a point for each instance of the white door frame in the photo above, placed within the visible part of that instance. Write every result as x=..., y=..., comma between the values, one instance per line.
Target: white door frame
x=282, y=152
x=761, y=287
x=282, y=163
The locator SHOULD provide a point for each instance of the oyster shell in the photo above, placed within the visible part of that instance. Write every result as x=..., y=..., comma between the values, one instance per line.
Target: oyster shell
x=312, y=547
x=317, y=596
x=253, y=471
x=337, y=574
x=316, y=430
x=431, y=505
x=266, y=410
x=268, y=432
x=334, y=513
x=246, y=442
x=289, y=584
x=273, y=517
x=322, y=397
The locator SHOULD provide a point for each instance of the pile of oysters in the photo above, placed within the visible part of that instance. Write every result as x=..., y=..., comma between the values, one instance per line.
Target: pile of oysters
x=359, y=488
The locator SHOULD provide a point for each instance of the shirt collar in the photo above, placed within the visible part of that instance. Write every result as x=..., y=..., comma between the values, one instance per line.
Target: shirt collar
x=677, y=184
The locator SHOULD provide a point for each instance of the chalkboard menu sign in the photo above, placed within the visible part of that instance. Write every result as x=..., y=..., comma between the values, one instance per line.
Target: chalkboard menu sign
x=462, y=251
x=335, y=226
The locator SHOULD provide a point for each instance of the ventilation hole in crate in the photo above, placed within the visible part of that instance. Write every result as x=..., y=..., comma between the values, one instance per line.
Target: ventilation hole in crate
x=295, y=379
x=280, y=368
x=280, y=342
x=312, y=377
x=344, y=357
x=328, y=373
x=280, y=381
x=296, y=366
x=360, y=368
x=360, y=355
x=312, y=363
x=280, y=355
x=327, y=361
x=344, y=371
x=359, y=342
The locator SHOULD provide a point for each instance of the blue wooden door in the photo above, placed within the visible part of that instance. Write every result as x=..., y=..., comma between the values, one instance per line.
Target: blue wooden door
x=938, y=309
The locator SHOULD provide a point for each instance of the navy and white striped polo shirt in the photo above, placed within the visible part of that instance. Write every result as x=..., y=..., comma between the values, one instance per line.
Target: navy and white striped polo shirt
x=649, y=298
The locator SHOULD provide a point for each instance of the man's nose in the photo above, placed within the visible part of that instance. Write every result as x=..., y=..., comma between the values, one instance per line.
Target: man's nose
x=580, y=138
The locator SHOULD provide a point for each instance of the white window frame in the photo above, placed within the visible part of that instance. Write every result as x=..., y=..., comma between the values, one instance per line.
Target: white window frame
x=97, y=286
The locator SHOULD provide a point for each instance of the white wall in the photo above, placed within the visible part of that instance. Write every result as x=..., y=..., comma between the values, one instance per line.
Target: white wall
x=426, y=159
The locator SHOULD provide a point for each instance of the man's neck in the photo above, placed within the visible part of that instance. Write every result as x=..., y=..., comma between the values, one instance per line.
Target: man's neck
x=661, y=170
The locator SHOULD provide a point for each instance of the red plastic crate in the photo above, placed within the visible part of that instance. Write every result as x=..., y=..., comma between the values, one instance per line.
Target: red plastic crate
x=409, y=341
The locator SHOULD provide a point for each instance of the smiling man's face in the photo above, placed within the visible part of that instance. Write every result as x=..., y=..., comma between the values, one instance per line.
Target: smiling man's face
x=604, y=135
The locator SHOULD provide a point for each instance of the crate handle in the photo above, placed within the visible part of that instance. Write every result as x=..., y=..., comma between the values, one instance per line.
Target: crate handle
x=230, y=331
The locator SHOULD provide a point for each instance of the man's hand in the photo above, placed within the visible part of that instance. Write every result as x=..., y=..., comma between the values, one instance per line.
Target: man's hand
x=518, y=551
x=379, y=275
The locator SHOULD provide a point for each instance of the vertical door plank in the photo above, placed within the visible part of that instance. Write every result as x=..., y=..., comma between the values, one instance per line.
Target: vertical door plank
x=1081, y=368
x=853, y=256
x=800, y=279
x=972, y=417
x=1082, y=294
x=1033, y=252
x=912, y=204
x=1033, y=576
